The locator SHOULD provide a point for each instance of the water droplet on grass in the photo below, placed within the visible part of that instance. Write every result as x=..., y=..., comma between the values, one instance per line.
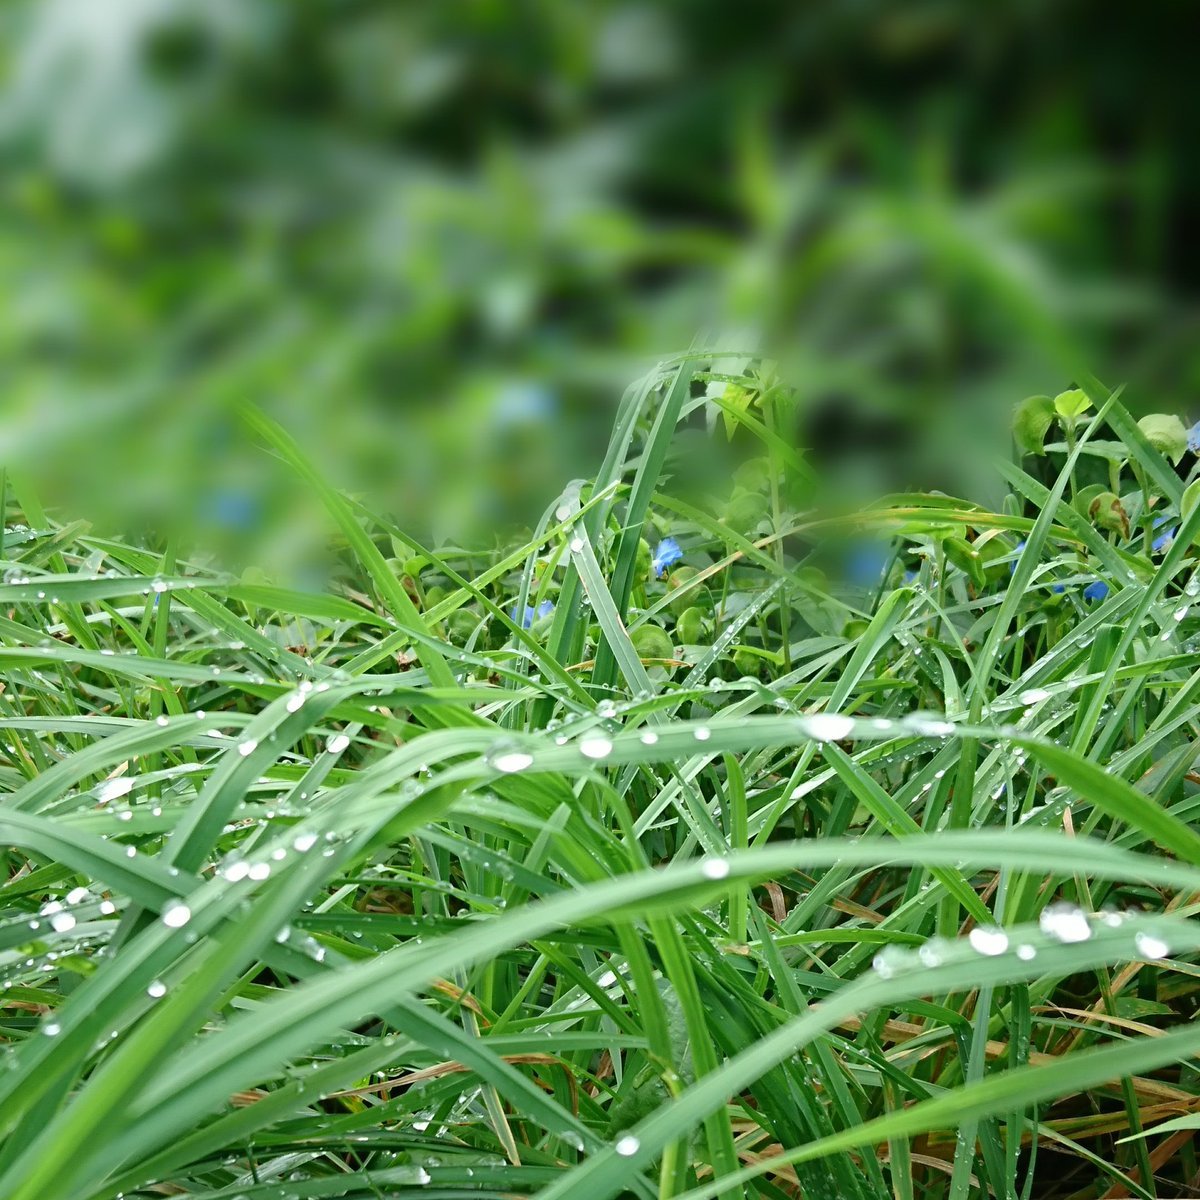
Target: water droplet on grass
x=1065, y=923
x=627, y=1145
x=176, y=914
x=337, y=743
x=512, y=761
x=595, y=747
x=714, y=868
x=157, y=990
x=1151, y=947
x=248, y=747
x=988, y=940
x=829, y=727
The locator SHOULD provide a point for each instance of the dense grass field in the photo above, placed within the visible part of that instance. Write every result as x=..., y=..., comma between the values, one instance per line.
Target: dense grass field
x=686, y=846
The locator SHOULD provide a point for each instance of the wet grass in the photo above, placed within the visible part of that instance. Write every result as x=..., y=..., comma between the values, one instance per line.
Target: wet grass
x=738, y=881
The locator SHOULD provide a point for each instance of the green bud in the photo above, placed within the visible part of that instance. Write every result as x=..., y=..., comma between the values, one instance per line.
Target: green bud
x=415, y=564
x=1165, y=432
x=1031, y=421
x=679, y=578
x=652, y=641
x=964, y=556
x=1187, y=505
x=744, y=511
x=753, y=475
x=747, y=662
x=855, y=628
x=1106, y=512
x=645, y=557
x=435, y=595
x=462, y=624
x=689, y=628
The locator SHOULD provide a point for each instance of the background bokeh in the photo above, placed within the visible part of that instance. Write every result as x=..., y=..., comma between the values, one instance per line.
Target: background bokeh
x=439, y=239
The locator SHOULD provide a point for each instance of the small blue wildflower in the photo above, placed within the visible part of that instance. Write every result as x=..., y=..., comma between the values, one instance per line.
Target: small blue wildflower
x=1059, y=588
x=1163, y=540
x=1012, y=566
x=666, y=554
x=232, y=508
x=1194, y=438
x=866, y=564
x=531, y=614
x=910, y=576
x=1096, y=590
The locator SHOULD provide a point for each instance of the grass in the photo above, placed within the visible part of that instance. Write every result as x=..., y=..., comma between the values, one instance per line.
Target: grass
x=750, y=881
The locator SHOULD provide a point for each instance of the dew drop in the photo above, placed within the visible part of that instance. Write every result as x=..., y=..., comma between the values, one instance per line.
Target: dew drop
x=1151, y=947
x=303, y=842
x=649, y=738
x=512, y=761
x=62, y=922
x=248, y=747
x=714, y=868
x=595, y=747
x=161, y=722
x=51, y=1029
x=830, y=727
x=157, y=990
x=989, y=941
x=577, y=545
x=702, y=733
x=1034, y=696
x=176, y=915
x=337, y=743
x=1065, y=923
x=627, y=1145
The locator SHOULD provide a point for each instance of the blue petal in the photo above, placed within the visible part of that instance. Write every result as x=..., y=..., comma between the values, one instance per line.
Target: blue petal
x=866, y=564
x=667, y=554
x=1097, y=590
x=1012, y=566
x=545, y=608
x=1059, y=588
x=1194, y=438
x=526, y=620
x=1161, y=542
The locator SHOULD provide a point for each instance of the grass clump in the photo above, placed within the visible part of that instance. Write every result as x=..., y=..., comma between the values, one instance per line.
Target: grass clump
x=693, y=846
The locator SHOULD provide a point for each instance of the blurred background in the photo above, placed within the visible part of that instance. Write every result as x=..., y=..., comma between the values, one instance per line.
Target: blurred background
x=438, y=240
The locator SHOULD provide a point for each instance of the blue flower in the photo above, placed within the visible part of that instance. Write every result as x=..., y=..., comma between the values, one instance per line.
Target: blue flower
x=1097, y=590
x=667, y=554
x=1012, y=566
x=1059, y=588
x=1163, y=540
x=232, y=508
x=866, y=564
x=1194, y=438
x=531, y=614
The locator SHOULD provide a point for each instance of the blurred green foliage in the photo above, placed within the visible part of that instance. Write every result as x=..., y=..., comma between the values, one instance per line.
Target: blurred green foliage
x=437, y=239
